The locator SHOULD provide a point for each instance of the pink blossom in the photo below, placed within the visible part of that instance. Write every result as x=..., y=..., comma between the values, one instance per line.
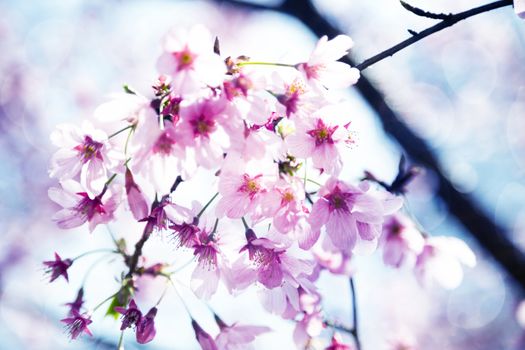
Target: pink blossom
x=186, y=233
x=166, y=213
x=211, y=263
x=202, y=129
x=236, y=336
x=244, y=188
x=275, y=268
x=157, y=153
x=440, y=262
x=336, y=261
x=322, y=136
x=348, y=213
x=296, y=97
x=400, y=240
x=312, y=323
x=123, y=107
x=323, y=68
x=291, y=217
x=83, y=150
x=248, y=98
x=190, y=61
x=79, y=207
x=257, y=142
x=77, y=324
x=58, y=267
x=131, y=315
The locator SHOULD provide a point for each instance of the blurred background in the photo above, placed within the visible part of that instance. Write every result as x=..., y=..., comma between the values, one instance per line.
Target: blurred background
x=462, y=90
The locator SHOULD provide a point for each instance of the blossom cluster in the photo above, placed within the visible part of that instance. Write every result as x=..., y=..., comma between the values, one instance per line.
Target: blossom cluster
x=272, y=139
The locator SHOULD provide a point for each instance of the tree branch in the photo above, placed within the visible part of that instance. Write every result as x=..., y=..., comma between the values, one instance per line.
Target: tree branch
x=448, y=21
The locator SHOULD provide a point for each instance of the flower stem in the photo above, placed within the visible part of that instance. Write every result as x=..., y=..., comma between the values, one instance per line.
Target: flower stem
x=354, y=315
x=120, y=345
x=314, y=182
x=163, y=293
x=255, y=63
x=207, y=205
x=180, y=297
x=110, y=179
x=246, y=227
x=104, y=301
x=102, y=250
x=121, y=130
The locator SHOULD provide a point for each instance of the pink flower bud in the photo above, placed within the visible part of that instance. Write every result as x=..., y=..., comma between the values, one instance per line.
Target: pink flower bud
x=137, y=202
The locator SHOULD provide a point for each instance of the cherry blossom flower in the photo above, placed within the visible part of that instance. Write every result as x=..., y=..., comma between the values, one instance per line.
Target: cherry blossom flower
x=123, y=107
x=295, y=96
x=322, y=67
x=440, y=262
x=257, y=142
x=58, y=267
x=291, y=217
x=244, y=188
x=80, y=208
x=77, y=324
x=186, y=233
x=248, y=98
x=275, y=268
x=211, y=263
x=335, y=261
x=190, y=61
x=166, y=213
x=312, y=323
x=83, y=150
x=322, y=137
x=131, y=316
x=157, y=153
x=350, y=213
x=400, y=240
x=202, y=129
x=236, y=336
x=145, y=331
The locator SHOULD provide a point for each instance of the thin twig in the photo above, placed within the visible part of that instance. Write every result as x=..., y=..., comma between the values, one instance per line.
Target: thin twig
x=419, y=12
x=354, y=314
x=448, y=22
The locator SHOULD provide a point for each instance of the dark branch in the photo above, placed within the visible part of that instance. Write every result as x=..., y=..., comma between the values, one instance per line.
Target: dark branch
x=246, y=5
x=419, y=12
x=489, y=235
x=354, y=314
x=448, y=22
